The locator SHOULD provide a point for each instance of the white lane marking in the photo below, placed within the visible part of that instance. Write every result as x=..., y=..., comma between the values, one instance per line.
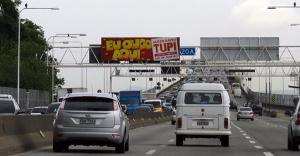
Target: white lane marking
x=258, y=147
x=151, y=152
x=172, y=140
x=268, y=154
x=252, y=142
x=247, y=137
x=242, y=131
x=244, y=134
x=162, y=145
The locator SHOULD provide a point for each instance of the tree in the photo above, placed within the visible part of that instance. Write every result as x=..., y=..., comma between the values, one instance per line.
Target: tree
x=34, y=74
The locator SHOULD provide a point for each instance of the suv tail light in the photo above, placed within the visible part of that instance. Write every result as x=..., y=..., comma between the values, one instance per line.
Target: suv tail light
x=62, y=105
x=251, y=112
x=226, y=123
x=179, y=122
x=115, y=106
x=298, y=119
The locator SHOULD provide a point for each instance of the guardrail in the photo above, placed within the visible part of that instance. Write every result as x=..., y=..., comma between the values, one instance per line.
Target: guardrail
x=282, y=102
x=20, y=133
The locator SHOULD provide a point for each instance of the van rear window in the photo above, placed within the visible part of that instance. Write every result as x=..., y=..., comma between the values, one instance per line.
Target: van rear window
x=203, y=98
x=89, y=104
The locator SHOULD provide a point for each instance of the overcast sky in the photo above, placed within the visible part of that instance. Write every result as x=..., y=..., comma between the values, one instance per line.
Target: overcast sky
x=187, y=19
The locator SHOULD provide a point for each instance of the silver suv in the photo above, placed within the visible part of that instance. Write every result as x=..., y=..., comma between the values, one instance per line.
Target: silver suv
x=90, y=119
x=294, y=130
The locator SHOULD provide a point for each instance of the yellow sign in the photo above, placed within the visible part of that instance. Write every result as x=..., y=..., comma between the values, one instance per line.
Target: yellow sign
x=273, y=99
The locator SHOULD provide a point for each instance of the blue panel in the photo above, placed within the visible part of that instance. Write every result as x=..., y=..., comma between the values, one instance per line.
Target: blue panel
x=187, y=51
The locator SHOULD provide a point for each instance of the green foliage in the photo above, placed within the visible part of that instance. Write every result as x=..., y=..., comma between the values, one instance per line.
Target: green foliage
x=34, y=74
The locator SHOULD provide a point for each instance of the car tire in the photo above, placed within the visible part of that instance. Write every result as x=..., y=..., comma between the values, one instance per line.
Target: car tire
x=238, y=119
x=179, y=140
x=294, y=145
x=225, y=141
x=252, y=119
x=57, y=147
x=173, y=122
x=127, y=144
x=260, y=114
x=120, y=148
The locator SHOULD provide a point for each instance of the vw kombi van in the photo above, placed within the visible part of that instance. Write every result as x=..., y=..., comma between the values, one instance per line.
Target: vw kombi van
x=203, y=112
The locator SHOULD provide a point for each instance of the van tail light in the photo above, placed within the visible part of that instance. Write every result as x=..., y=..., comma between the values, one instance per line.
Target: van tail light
x=179, y=122
x=251, y=112
x=62, y=105
x=226, y=123
x=298, y=119
x=115, y=106
x=173, y=113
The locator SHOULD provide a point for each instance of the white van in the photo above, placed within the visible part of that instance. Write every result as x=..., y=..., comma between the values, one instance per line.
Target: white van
x=203, y=112
x=238, y=93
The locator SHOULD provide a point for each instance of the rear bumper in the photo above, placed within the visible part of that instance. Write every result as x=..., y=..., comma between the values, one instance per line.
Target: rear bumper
x=245, y=117
x=202, y=133
x=88, y=136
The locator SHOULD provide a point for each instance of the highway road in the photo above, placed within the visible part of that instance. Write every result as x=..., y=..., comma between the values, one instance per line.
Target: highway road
x=264, y=136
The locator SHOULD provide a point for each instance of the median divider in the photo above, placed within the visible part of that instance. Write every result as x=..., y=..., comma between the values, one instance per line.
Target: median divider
x=20, y=133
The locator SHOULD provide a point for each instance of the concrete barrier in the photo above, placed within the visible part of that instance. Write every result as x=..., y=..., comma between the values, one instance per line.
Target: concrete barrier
x=24, y=132
x=20, y=133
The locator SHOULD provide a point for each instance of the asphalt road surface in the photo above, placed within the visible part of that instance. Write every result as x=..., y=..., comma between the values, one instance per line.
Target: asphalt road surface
x=265, y=136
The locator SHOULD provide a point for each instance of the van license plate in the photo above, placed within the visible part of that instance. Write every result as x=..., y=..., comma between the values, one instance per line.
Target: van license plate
x=87, y=121
x=202, y=123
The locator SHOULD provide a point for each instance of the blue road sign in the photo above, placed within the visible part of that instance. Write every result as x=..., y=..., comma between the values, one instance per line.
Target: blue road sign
x=187, y=51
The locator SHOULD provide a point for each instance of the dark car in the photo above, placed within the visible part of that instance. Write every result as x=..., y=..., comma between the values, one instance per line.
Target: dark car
x=28, y=111
x=143, y=109
x=149, y=105
x=8, y=106
x=233, y=106
x=52, y=108
x=38, y=110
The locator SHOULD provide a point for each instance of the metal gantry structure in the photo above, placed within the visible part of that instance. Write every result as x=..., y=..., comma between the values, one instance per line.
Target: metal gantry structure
x=286, y=66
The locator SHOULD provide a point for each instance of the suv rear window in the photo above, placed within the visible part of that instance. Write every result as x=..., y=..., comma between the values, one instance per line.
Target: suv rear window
x=203, y=98
x=7, y=106
x=89, y=104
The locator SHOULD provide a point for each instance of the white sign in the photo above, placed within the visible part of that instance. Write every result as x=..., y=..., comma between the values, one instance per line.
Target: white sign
x=165, y=49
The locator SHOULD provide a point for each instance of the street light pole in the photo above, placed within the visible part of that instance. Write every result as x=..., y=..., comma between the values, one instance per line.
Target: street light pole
x=19, y=47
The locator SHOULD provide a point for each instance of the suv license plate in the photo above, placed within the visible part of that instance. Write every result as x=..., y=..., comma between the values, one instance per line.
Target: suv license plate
x=202, y=123
x=87, y=121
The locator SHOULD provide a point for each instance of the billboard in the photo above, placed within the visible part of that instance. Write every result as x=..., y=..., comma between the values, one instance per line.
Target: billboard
x=140, y=49
x=95, y=54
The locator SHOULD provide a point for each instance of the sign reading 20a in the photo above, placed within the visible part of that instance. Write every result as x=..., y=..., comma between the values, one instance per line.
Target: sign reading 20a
x=187, y=51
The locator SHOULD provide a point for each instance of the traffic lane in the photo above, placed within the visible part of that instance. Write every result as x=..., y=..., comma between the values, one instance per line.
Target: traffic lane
x=264, y=131
x=160, y=140
x=239, y=145
x=142, y=140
